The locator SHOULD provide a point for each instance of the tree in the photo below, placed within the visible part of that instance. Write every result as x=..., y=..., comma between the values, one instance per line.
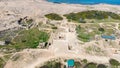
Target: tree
x=101, y=29
x=101, y=66
x=7, y=41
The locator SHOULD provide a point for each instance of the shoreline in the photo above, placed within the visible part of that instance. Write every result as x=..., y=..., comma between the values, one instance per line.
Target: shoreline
x=38, y=8
x=86, y=4
x=64, y=8
x=98, y=6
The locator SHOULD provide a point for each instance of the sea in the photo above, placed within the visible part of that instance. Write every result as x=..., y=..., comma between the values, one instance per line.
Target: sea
x=87, y=2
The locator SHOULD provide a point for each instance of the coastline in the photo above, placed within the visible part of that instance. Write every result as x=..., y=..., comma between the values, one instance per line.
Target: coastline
x=38, y=8
x=80, y=7
x=99, y=4
x=81, y=3
x=88, y=3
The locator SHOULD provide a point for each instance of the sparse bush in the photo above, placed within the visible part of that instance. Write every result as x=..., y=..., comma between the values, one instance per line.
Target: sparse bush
x=16, y=57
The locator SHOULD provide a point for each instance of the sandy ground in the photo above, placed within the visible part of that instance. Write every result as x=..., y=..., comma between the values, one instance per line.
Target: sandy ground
x=12, y=10
x=36, y=9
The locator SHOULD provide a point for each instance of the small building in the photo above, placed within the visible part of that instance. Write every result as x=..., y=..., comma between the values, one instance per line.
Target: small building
x=70, y=63
x=108, y=37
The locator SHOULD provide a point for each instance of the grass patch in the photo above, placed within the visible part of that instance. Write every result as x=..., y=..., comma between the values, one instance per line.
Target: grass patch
x=26, y=39
x=93, y=14
x=53, y=16
x=94, y=50
x=84, y=37
x=30, y=38
x=86, y=32
x=2, y=63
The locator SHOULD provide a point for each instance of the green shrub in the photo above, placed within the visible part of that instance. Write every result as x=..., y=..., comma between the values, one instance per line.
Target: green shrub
x=101, y=66
x=84, y=37
x=65, y=66
x=91, y=65
x=114, y=62
x=101, y=29
x=78, y=65
x=52, y=64
x=53, y=16
x=54, y=27
x=29, y=21
x=93, y=14
x=7, y=42
x=84, y=61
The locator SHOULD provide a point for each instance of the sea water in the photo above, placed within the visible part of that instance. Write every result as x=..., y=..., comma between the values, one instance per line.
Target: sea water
x=114, y=2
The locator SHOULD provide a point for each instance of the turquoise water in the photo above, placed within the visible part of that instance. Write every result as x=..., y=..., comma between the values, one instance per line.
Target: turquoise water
x=115, y=2
x=70, y=62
